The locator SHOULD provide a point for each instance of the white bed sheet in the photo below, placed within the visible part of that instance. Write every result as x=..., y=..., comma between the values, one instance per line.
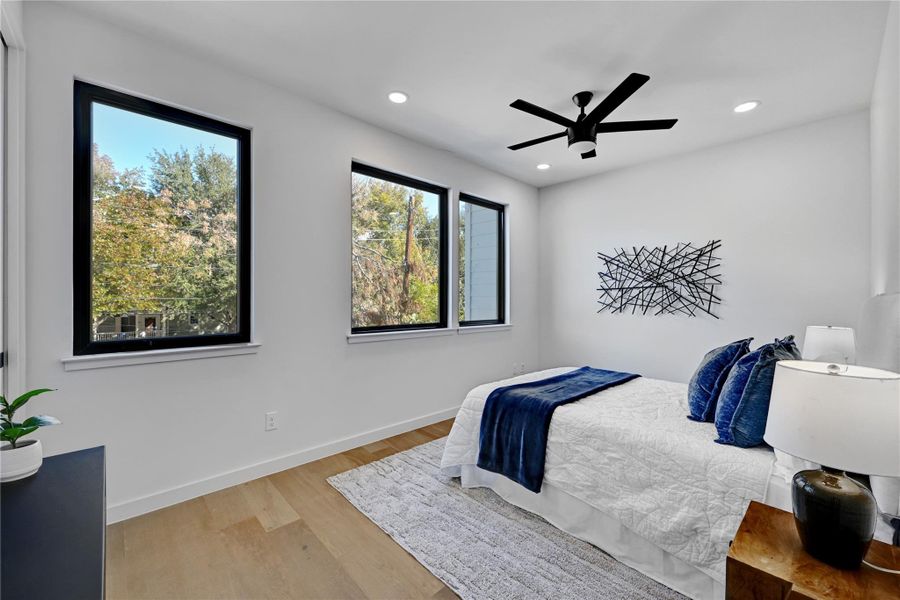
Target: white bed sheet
x=628, y=472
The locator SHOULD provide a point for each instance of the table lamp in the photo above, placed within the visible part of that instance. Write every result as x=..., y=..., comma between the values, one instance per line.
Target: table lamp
x=829, y=343
x=846, y=418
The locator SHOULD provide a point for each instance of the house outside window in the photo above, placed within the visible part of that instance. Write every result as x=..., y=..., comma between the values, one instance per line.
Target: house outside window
x=482, y=272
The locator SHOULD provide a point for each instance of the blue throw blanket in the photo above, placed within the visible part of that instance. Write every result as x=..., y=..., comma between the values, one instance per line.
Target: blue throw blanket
x=516, y=421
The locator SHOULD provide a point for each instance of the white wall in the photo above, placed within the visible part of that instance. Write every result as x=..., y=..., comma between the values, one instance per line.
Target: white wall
x=167, y=425
x=885, y=132
x=10, y=16
x=791, y=209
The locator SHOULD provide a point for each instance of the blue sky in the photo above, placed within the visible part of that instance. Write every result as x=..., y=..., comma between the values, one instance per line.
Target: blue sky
x=129, y=138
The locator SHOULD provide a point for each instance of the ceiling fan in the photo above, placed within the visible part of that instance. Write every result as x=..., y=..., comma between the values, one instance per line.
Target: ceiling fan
x=582, y=132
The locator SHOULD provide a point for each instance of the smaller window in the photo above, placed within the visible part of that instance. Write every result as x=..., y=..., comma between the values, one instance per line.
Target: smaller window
x=482, y=272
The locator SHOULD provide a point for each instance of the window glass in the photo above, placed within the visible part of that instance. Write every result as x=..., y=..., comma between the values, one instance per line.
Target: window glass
x=397, y=252
x=481, y=276
x=164, y=233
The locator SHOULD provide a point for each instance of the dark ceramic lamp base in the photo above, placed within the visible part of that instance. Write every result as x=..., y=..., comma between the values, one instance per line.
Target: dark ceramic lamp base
x=835, y=516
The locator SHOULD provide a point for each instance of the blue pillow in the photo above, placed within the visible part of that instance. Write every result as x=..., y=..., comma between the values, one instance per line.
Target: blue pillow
x=736, y=383
x=749, y=421
x=731, y=393
x=703, y=390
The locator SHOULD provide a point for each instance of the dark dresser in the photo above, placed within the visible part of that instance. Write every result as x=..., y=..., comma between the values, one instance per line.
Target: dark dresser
x=53, y=530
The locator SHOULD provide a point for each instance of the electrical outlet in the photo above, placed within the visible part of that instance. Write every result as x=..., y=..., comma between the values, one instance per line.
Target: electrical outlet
x=271, y=420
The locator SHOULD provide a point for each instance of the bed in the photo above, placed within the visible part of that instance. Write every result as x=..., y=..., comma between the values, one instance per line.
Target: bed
x=626, y=471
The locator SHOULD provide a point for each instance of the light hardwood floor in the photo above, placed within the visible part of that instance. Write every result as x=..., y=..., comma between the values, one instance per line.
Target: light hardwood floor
x=289, y=535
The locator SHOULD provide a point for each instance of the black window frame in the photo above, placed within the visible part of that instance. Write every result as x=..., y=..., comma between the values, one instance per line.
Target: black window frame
x=85, y=95
x=443, y=195
x=501, y=259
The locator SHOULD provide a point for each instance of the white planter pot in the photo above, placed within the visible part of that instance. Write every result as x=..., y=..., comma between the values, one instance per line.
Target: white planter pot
x=21, y=462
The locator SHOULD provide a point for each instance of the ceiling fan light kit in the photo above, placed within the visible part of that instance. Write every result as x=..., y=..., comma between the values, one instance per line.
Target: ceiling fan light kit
x=581, y=146
x=582, y=132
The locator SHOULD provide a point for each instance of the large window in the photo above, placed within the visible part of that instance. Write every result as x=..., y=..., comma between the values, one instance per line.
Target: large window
x=162, y=226
x=481, y=262
x=399, y=246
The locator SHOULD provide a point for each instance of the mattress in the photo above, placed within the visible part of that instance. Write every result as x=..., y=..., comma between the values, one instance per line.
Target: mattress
x=630, y=459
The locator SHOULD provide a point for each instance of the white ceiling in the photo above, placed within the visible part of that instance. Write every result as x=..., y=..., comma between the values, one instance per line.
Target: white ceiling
x=462, y=63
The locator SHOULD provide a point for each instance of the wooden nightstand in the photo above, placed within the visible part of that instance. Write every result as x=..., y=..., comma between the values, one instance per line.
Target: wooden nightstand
x=766, y=561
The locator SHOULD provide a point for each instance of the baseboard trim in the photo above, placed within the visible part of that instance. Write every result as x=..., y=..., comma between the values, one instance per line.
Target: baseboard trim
x=145, y=504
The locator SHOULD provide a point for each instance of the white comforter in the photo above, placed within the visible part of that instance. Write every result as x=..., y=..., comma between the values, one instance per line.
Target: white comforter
x=631, y=453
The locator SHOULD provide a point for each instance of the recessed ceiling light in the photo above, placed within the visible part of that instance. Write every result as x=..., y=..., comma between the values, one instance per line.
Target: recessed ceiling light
x=543, y=167
x=398, y=97
x=746, y=106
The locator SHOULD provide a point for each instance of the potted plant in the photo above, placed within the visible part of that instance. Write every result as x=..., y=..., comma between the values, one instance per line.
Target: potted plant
x=20, y=459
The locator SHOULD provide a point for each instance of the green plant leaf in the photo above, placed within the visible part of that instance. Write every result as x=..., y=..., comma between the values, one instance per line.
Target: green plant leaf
x=3, y=400
x=21, y=400
x=40, y=421
x=11, y=434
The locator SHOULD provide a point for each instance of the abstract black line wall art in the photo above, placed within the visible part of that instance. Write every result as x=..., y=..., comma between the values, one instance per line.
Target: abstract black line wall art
x=679, y=279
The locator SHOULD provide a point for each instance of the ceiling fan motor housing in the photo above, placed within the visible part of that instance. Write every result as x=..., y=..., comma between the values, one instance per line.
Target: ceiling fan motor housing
x=582, y=137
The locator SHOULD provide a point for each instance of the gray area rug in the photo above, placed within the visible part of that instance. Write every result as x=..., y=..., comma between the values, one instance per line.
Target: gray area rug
x=478, y=544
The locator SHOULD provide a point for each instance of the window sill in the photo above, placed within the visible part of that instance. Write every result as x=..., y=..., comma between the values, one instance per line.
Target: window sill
x=126, y=359
x=463, y=330
x=384, y=336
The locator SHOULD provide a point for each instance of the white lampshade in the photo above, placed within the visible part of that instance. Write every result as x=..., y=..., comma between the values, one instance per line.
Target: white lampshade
x=848, y=420
x=827, y=343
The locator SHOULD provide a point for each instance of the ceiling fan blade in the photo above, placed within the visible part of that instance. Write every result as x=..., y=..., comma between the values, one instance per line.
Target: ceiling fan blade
x=539, y=140
x=615, y=126
x=542, y=113
x=590, y=154
x=619, y=95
